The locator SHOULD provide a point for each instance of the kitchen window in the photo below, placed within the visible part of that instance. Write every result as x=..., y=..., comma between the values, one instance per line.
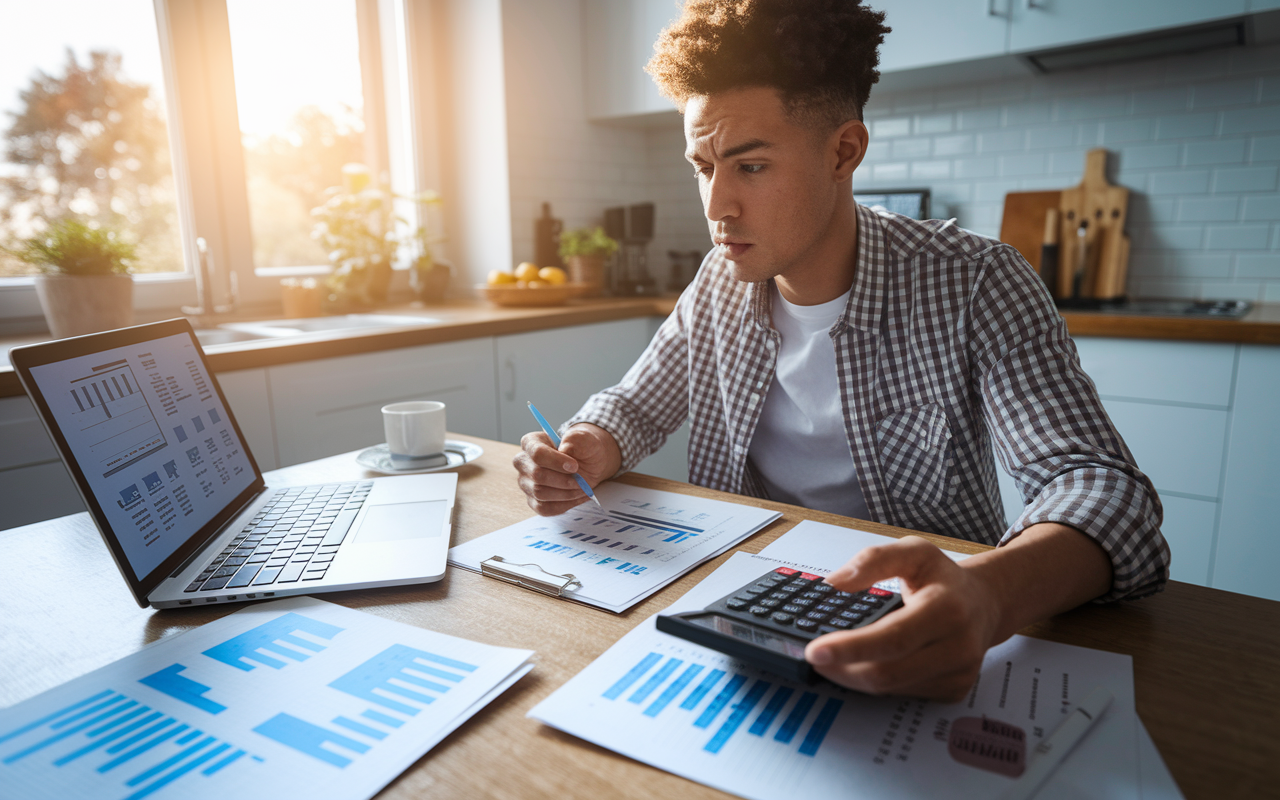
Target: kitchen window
x=85, y=126
x=226, y=120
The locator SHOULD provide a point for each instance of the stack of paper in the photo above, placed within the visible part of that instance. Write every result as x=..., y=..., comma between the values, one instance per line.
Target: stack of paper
x=697, y=713
x=294, y=698
x=642, y=540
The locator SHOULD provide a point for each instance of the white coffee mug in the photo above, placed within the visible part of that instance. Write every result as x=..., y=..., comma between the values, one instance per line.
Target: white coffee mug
x=414, y=429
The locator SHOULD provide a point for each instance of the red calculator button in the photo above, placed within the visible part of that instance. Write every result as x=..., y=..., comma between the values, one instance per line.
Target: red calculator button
x=810, y=577
x=785, y=571
x=879, y=592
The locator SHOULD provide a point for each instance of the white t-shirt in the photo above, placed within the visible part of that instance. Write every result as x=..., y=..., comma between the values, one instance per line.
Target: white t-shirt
x=800, y=448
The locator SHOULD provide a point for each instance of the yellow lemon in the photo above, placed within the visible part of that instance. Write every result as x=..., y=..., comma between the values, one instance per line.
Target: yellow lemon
x=553, y=275
x=499, y=278
x=527, y=272
x=537, y=284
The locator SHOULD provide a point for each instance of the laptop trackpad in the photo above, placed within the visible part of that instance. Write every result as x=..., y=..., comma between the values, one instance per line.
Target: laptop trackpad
x=403, y=521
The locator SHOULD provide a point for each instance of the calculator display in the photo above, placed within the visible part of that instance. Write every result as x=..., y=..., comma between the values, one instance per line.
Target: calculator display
x=750, y=633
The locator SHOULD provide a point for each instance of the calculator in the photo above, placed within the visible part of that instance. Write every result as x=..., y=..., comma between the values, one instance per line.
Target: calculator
x=769, y=621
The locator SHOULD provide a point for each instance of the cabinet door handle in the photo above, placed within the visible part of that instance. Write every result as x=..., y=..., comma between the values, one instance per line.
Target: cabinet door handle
x=511, y=370
x=1037, y=5
x=993, y=9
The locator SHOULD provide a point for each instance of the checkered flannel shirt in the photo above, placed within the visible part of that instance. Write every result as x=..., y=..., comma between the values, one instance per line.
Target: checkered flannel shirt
x=949, y=343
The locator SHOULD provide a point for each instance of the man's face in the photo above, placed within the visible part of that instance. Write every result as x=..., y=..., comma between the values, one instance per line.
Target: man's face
x=769, y=185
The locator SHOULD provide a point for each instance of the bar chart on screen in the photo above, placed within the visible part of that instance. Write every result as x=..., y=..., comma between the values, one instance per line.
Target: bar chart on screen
x=292, y=698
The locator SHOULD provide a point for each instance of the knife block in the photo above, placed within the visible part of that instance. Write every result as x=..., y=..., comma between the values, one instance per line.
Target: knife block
x=1103, y=207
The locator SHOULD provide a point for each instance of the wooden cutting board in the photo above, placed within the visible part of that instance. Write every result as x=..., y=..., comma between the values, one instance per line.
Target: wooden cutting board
x=1023, y=223
x=1094, y=213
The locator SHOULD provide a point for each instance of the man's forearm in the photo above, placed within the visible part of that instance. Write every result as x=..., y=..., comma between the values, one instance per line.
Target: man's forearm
x=1047, y=569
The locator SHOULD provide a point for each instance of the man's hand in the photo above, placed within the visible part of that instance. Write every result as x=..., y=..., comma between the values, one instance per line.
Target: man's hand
x=934, y=645
x=545, y=474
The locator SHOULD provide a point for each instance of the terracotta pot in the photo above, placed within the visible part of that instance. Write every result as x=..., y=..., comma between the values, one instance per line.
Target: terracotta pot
x=78, y=304
x=589, y=271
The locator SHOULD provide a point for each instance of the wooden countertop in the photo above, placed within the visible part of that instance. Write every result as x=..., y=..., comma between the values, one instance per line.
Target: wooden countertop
x=472, y=319
x=1204, y=660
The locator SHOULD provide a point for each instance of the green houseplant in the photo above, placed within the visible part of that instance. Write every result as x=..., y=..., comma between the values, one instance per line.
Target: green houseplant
x=584, y=251
x=84, y=284
x=358, y=227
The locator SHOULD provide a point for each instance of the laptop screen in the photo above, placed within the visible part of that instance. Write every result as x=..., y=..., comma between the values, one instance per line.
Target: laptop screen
x=153, y=439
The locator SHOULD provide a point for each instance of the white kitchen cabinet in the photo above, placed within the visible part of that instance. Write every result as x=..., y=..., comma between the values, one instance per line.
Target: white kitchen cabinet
x=332, y=405
x=1248, y=552
x=34, y=485
x=1045, y=24
x=930, y=32
x=249, y=398
x=619, y=37
x=558, y=371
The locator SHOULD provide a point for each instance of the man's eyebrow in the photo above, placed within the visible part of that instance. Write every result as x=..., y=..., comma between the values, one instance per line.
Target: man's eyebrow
x=745, y=147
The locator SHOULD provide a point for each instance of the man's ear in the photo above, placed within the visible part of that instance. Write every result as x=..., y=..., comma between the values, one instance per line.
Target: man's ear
x=850, y=142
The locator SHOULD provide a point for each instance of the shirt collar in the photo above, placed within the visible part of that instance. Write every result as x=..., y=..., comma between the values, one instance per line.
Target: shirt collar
x=866, y=299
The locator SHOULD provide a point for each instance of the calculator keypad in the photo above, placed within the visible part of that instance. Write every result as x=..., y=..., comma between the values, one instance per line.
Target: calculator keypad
x=800, y=604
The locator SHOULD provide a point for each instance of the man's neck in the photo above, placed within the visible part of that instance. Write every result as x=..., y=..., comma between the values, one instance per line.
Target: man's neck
x=827, y=272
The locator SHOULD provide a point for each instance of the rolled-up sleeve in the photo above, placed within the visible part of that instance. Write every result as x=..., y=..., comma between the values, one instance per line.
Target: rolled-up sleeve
x=652, y=399
x=1051, y=432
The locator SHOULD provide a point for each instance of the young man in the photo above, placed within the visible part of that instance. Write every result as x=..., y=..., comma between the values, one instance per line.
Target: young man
x=863, y=363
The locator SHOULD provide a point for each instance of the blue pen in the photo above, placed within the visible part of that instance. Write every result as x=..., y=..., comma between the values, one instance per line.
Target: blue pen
x=555, y=440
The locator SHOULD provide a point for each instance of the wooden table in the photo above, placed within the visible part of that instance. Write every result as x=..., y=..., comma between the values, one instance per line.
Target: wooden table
x=1205, y=661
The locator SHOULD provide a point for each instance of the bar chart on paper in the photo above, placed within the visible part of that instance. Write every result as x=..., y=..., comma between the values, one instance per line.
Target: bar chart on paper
x=310, y=700
x=638, y=542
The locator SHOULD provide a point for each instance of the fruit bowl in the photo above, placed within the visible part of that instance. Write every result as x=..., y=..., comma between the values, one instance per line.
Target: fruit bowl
x=525, y=296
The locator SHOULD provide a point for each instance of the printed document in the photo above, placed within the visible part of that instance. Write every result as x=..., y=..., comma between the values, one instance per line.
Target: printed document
x=639, y=542
x=292, y=698
x=697, y=713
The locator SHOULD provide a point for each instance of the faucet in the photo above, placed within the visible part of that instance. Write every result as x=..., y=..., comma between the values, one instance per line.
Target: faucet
x=204, y=290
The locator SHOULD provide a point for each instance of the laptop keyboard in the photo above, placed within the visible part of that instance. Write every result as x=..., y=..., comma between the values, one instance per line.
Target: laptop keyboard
x=293, y=538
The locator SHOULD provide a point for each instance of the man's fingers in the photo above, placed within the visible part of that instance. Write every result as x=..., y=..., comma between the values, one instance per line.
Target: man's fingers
x=911, y=558
x=539, y=448
x=551, y=509
x=920, y=674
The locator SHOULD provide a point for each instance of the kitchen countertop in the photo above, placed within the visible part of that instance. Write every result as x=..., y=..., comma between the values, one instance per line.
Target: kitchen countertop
x=471, y=319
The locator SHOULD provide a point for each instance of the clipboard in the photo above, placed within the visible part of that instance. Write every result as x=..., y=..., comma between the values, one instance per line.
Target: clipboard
x=530, y=576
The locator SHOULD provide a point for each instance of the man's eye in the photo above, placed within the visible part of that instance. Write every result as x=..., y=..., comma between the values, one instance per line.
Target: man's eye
x=702, y=170
x=752, y=169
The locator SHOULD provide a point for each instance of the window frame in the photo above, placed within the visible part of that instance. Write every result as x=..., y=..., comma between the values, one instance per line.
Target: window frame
x=208, y=155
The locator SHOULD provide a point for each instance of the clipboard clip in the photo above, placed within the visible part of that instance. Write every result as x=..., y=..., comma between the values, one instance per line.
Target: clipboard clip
x=530, y=576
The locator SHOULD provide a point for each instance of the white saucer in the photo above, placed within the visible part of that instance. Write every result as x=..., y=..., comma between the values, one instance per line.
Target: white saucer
x=378, y=458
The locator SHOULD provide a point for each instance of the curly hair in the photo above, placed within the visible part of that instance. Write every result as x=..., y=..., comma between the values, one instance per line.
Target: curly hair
x=820, y=54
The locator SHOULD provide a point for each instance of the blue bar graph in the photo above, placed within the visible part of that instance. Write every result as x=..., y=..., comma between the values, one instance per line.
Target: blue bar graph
x=156, y=749
x=169, y=682
x=713, y=709
x=708, y=683
x=792, y=723
x=624, y=683
x=642, y=694
x=272, y=636
x=767, y=716
x=373, y=680
x=741, y=695
x=309, y=739
x=740, y=711
x=676, y=687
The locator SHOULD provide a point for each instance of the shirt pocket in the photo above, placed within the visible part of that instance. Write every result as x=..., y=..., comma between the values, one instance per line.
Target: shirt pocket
x=916, y=457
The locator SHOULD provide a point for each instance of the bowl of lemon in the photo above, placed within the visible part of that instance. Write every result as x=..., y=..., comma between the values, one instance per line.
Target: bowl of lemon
x=530, y=285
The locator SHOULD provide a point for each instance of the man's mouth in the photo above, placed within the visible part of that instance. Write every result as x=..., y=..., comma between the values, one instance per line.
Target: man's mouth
x=733, y=247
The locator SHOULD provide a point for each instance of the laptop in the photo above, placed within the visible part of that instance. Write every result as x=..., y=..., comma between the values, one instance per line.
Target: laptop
x=146, y=433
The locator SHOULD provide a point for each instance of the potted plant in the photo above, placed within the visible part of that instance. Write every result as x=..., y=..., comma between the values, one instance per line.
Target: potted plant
x=358, y=227
x=84, y=284
x=584, y=251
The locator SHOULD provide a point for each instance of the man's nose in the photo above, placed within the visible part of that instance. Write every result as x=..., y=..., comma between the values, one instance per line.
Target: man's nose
x=719, y=198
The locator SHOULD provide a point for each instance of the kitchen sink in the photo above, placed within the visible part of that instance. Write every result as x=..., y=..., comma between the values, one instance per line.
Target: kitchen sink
x=275, y=328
